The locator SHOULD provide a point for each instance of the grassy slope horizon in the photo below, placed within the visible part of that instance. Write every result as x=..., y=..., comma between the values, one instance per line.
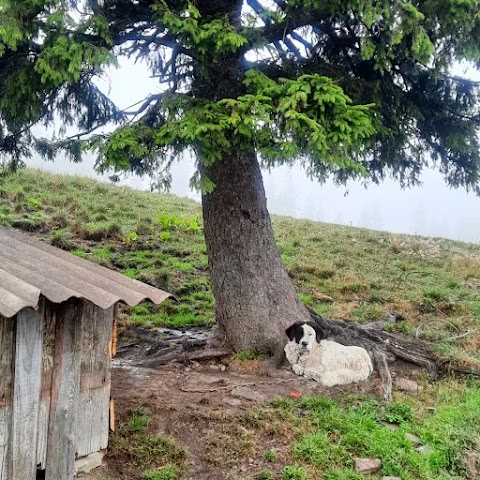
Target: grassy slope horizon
x=433, y=283
x=157, y=238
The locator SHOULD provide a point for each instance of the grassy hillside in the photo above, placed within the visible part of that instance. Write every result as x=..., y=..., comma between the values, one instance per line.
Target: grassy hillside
x=341, y=272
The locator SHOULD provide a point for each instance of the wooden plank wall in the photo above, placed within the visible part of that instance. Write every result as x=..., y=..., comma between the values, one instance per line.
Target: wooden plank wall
x=7, y=332
x=54, y=388
x=93, y=423
x=48, y=358
x=26, y=393
x=64, y=406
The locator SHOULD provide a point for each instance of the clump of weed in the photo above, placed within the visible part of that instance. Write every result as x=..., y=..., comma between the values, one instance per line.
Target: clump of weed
x=98, y=232
x=168, y=472
x=265, y=475
x=248, y=355
x=60, y=239
x=294, y=472
x=58, y=220
x=270, y=455
x=28, y=224
x=398, y=413
x=134, y=440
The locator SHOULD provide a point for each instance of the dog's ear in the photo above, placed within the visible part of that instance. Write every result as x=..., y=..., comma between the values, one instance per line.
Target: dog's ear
x=320, y=333
x=290, y=331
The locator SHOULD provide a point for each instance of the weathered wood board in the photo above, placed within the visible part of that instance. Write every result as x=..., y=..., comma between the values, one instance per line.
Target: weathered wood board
x=26, y=393
x=48, y=356
x=7, y=329
x=93, y=425
x=54, y=388
x=64, y=405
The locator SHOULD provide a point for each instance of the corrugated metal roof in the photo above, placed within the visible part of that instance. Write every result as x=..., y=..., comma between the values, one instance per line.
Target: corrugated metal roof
x=30, y=269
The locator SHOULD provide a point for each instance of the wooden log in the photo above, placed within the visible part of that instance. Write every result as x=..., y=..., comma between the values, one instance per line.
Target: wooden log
x=65, y=392
x=7, y=327
x=26, y=393
x=92, y=427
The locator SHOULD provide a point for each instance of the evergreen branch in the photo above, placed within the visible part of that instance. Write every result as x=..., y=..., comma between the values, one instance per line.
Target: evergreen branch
x=320, y=21
x=167, y=41
x=308, y=46
x=146, y=103
x=275, y=32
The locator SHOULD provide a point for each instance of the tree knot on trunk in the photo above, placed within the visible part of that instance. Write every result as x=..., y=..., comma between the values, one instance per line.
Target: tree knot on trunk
x=246, y=214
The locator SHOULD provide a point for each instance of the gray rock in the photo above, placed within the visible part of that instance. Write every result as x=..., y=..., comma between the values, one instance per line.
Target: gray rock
x=425, y=449
x=390, y=478
x=406, y=385
x=248, y=394
x=234, y=402
x=367, y=466
x=413, y=438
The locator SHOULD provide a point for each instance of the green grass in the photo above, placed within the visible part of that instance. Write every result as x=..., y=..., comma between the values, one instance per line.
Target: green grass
x=294, y=472
x=270, y=455
x=158, y=239
x=328, y=434
x=155, y=454
x=247, y=355
x=169, y=472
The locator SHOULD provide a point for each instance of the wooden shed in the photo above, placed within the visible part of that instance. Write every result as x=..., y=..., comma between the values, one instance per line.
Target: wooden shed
x=56, y=318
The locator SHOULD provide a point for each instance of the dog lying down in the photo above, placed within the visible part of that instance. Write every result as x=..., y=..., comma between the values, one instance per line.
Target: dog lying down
x=325, y=361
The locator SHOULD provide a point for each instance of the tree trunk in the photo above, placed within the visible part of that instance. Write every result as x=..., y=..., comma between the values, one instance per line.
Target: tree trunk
x=255, y=299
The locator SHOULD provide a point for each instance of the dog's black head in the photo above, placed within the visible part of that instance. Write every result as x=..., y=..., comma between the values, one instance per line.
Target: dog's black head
x=302, y=333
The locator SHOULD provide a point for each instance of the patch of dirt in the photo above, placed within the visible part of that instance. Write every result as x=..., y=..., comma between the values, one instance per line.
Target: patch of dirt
x=206, y=408
x=471, y=462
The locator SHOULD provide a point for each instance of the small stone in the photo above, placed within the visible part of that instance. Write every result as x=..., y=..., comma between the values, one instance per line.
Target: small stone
x=233, y=402
x=223, y=368
x=366, y=466
x=425, y=449
x=413, y=438
x=321, y=297
x=248, y=394
x=406, y=385
x=208, y=379
x=214, y=367
x=390, y=478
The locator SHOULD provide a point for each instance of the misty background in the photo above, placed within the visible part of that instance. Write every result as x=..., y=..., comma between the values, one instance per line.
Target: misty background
x=432, y=209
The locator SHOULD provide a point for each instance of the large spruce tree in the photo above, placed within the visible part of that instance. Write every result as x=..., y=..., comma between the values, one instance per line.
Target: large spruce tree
x=347, y=88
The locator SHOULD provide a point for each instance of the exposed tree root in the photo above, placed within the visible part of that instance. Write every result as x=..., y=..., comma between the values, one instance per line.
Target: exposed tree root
x=147, y=350
x=385, y=348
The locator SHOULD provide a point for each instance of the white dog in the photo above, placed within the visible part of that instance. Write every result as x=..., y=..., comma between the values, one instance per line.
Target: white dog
x=325, y=361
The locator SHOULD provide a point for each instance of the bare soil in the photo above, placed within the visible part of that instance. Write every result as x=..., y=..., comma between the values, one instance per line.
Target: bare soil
x=205, y=408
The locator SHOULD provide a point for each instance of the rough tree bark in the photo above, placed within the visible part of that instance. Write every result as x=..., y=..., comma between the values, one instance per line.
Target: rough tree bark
x=255, y=299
